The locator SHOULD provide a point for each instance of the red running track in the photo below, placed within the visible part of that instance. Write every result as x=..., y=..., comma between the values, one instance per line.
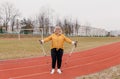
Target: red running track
x=80, y=63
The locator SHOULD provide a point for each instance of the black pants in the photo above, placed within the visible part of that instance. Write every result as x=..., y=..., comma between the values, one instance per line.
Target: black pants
x=56, y=55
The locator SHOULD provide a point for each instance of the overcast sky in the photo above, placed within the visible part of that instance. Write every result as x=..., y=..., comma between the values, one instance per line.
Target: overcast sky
x=98, y=13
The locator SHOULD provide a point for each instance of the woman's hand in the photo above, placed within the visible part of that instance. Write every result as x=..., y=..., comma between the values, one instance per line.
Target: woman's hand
x=41, y=41
x=74, y=43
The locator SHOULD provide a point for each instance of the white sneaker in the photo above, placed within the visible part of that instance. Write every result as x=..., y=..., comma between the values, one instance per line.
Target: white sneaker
x=52, y=71
x=59, y=71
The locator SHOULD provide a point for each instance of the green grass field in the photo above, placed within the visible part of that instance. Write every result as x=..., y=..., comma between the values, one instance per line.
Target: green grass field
x=12, y=48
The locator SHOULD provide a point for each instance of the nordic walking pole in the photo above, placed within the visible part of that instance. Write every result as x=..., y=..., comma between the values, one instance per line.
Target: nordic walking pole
x=71, y=53
x=43, y=49
x=42, y=46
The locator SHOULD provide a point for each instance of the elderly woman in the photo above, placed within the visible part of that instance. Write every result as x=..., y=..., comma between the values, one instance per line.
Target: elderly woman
x=57, y=39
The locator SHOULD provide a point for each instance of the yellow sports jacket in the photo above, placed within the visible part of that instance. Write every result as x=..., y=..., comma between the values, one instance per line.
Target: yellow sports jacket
x=57, y=41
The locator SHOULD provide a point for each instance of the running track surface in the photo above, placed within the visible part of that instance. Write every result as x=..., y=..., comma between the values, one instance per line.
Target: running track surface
x=80, y=63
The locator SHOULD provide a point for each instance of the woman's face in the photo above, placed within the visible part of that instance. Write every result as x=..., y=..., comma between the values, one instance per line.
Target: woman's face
x=58, y=30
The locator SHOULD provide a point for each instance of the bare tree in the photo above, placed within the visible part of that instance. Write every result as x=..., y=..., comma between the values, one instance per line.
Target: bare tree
x=0, y=22
x=0, y=16
x=76, y=27
x=59, y=22
x=44, y=17
x=9, y=13
x=65, y=26
x=68, y=26
x=87, y=28
x=17, y=24
x=27, y=24
x=0, y=19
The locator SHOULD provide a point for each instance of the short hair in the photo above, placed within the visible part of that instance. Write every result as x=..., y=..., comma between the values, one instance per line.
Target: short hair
x=59, y=28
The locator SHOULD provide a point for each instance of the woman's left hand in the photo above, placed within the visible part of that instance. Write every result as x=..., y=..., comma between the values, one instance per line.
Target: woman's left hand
x=75, y=43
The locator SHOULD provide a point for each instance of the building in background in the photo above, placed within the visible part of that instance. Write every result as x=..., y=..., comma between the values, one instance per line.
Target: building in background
x=91, y=31
x=115, y=33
